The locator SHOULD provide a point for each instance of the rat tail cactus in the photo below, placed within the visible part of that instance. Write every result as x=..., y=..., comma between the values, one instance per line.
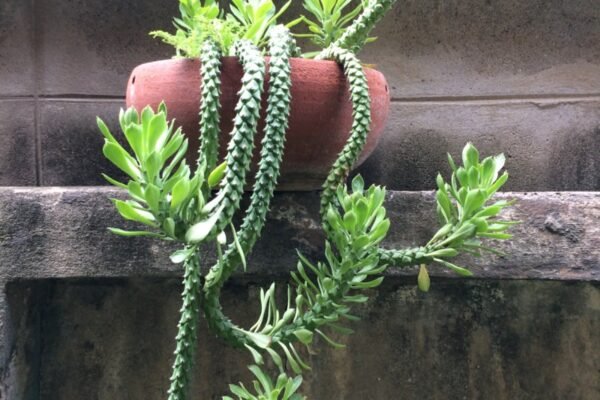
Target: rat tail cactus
x=177, y=203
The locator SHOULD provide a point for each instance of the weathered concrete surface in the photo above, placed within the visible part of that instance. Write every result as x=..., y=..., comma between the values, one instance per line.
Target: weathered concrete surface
x=61, y=233
x=463, y=340
x=71, y=146
x=17, y=142
x=97, y=43
x=456, y=48
x=17, y=66
x=549, y=144
x=426, y=48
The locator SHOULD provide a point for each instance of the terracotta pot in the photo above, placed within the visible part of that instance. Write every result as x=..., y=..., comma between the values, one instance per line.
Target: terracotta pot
x=321, y=113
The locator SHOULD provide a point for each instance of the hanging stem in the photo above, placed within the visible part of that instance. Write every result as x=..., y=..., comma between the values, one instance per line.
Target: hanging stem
x=278, y=110
x=361, y=112
x=210, y=71
x=187, y=329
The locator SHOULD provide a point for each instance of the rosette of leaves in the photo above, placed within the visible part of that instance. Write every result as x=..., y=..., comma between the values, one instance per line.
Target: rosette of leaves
x=328, y=19
x=343, y=23
x=284, y=388
x=204, y=19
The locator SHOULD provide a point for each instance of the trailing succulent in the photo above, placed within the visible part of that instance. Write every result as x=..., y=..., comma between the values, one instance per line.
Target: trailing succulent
x=195, y=205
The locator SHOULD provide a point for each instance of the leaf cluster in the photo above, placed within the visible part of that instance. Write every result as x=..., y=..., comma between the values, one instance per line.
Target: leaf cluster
x=164, y=194
x=329, y=19
x=463, y=207
x=322, y=294
x=202, y=20
x=327, y=23
x=285, y=388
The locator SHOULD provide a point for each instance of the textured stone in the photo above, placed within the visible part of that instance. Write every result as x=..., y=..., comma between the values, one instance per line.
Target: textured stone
x=71, y=143
x=16, y=48
x=61, y=233
x=17, y=143
x=89, y=48
x=513, y=48
x=549, y=144
x=464, y=339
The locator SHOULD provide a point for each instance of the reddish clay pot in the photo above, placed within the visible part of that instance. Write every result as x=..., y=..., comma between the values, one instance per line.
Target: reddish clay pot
x=321, y=113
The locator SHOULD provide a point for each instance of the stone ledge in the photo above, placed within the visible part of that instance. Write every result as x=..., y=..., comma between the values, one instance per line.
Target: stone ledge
x=61, y=233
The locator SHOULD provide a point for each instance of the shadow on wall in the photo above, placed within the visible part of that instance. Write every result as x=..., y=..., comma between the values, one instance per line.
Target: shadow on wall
x=112, y=339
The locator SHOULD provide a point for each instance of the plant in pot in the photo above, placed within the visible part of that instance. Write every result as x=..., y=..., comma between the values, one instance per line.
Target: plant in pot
x=193, y=204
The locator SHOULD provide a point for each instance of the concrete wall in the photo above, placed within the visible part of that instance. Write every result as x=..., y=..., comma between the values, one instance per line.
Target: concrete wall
x=519, y=76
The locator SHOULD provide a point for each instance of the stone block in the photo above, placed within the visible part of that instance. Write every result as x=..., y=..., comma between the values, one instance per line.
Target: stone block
x=514, y=48
x=61, y=233
x=17, y=143
x=16, y=48
x=71, y=143
x=464, y=339
x=89, y=48
x=549, y=144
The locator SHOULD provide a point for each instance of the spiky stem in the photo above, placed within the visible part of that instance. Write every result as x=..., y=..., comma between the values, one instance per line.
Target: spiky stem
x=355, y=37
x=361, y=112
x=210, y=105
x=187, y=329
x=241, y=145
x=278, y=110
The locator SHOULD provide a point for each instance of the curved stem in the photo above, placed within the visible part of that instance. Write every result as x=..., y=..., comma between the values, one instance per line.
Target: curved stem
x=361, y=111
x=278, y=110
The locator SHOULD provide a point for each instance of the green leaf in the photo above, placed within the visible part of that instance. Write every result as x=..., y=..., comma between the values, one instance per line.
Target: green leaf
x=152, y=196
x=122, y=160
x=180, y=192
x=258, y=358
x=358, y=184
x=131, y=213
x=105, y=131
x=459, y=270
x=262, y=341
x=200, y=231
x=114, y=182
x=304, y=335
x=423, y=279
x=215, y=177
x=122, y=232
x=470, y=156
x=169, y=227
x=182, y=255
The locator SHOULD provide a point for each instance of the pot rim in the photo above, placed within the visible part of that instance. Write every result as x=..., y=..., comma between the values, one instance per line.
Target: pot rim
x=301, y=60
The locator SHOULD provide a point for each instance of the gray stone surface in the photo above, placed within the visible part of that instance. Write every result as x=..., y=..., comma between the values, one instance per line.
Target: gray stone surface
x=113, y=339
x=17, y=143
x=71, y=143
x=549, y=144
x=89, y=48
x=17, y=67
x=61, y=233
x=477, y=48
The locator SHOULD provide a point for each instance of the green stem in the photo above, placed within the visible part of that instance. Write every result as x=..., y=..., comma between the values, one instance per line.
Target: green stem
x=361, y=112
x=210, y=72
x=187, y=329
x=355, y=37
x=278, y=110
x=241, y=145
x=404, y=258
